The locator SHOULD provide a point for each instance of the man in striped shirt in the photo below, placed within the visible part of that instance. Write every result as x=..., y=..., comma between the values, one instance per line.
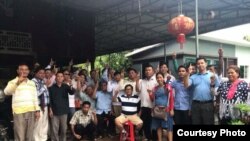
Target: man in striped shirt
x=42, y=125
x=130, y=107
x=24, y=104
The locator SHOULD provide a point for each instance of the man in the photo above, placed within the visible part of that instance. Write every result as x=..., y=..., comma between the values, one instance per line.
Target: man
x=42, y=125
x=49, y=77
x=130, y=108
x=103, y=110
x=132, y=77
x=165, y=70
x=202, y=109
x=93, y=77
x=116, y=86
x=24, y=104
x=59, y=109
x=83, y=122
x=144, y=88
x=50, y=73
x=67, y=80
x=218, y=71
x=182, y=99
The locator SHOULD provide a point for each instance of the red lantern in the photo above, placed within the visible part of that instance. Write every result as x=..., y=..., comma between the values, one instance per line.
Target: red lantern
x=179, y=27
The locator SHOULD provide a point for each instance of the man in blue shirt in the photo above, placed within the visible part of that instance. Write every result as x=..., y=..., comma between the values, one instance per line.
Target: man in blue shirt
x=181, y=99
x=103, y=111
x=202, y=108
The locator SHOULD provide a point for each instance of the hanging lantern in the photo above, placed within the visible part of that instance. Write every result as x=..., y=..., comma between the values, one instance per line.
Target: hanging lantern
x=179, y=27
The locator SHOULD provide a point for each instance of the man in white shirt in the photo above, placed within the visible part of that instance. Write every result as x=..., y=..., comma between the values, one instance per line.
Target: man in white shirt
x=132, y=77
x=116, y=86
x=144, y=87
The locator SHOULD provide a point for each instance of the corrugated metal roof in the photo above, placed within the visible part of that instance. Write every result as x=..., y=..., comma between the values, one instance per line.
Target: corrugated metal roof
x=122, y=25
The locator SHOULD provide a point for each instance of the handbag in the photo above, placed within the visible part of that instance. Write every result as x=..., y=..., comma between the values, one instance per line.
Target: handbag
x=159, y=112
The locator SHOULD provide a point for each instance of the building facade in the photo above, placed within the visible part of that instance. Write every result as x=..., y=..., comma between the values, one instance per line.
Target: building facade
x=233, y=55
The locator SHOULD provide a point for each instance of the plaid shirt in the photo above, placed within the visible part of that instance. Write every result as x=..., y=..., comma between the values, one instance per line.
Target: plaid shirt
x=42, y=89
x=80, y=118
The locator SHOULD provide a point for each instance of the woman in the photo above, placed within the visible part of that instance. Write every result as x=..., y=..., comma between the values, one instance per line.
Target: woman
x=162, y=97
x=232, y=92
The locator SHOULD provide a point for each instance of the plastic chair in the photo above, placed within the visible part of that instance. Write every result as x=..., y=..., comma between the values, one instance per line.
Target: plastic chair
x=129, y=127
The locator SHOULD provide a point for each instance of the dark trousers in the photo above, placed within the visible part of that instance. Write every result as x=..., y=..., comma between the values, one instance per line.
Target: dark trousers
x=102, y=123
x=88, y=130
x=146, y=118
x=181, y=117
x=225, y=121
x=202, y=113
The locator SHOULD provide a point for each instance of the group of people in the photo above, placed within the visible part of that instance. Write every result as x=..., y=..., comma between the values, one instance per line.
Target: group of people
x=90, y=105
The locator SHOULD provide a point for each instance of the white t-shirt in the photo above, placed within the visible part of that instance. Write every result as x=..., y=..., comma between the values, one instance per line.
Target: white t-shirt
x=116, y=86
x=145, y=84
x=72, y=97
x=133, y=83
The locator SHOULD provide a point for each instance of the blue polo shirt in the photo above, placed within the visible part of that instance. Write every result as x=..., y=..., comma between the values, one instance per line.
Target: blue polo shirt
x=200, y=84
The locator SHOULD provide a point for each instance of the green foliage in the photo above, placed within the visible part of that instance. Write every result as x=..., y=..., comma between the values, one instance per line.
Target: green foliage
x=116, y=61
x=237, y=122
x=243, y=107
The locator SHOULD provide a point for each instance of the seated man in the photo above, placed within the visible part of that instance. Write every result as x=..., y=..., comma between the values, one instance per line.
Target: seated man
x=84, y=122
x=103, y=111
x=130, y=107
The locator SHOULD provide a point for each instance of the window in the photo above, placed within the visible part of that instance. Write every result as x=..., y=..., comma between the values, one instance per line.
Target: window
x=216, y=62
x=193, y=60
x=243, y=71
x=190, y=60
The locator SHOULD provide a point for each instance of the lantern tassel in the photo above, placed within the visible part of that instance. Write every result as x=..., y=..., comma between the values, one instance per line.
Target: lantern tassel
x=181, y=45
x=181, y=39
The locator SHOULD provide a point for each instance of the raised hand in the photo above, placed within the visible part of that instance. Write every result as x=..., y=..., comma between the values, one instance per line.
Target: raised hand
x=174, y=55
x=212, y=79
x=71, y=63
x=52, y=62
x=138, y=76
x=116, y=92
x=70, y=82
x=48, y=82
x=149, y=91
x=220, y=52
x=87, y=63
x=21, y=78
x=189, y=70
x=168, y=78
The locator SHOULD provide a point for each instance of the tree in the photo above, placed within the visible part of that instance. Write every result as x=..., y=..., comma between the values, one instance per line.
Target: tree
x=117, y=61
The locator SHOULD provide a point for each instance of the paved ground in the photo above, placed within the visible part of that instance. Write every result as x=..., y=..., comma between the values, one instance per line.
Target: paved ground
x=115, y=138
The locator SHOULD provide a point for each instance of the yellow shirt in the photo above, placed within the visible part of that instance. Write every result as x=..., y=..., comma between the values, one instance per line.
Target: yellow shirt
x=24, y=96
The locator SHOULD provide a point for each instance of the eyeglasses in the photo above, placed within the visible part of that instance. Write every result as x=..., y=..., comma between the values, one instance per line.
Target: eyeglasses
x=66, y=74
x=128, y=89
